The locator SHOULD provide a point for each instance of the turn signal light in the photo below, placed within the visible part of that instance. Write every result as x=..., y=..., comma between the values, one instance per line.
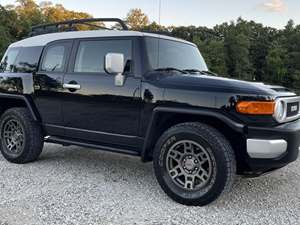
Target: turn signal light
x=256, y=107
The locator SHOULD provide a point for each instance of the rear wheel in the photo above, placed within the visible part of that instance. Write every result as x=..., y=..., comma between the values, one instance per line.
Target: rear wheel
x=194, y=163
x=21, y=137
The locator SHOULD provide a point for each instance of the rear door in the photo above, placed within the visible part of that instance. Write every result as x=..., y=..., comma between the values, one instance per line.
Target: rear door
x=48, y=85
x=95, y=109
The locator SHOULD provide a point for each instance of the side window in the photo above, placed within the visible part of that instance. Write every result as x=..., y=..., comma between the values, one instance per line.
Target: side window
x=91, y=55
x=28, y=59
x=8, y=61
x=55, y=58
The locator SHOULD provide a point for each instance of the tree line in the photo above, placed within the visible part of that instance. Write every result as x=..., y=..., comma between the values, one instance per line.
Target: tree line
x=240, y=49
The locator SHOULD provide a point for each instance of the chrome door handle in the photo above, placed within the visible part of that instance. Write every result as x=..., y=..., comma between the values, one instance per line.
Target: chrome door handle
x=72, y=86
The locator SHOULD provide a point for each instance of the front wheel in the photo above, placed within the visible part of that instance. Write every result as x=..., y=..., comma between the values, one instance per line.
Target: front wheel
x=194, y=163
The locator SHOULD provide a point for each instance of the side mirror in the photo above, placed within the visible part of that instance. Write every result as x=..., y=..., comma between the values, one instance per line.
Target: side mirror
x=114, y=64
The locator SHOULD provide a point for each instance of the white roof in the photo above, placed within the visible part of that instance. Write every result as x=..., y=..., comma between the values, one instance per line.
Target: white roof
x=42, y=40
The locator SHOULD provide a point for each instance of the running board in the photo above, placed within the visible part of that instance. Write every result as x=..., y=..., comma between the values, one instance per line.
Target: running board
x=66, y=142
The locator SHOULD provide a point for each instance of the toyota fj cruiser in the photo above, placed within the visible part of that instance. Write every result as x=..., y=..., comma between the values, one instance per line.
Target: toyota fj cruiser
x=147, y=95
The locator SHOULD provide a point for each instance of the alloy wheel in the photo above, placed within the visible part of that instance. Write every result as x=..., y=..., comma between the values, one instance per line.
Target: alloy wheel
x=189, y=165
x=13, y=136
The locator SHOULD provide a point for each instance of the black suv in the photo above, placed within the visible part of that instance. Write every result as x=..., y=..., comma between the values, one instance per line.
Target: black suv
x=146, y=95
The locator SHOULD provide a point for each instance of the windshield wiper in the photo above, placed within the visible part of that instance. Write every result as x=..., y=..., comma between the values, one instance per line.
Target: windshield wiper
x=203, y=72
x=194, y=71
x=168, y=69
x=210, y=73
x=54, y=67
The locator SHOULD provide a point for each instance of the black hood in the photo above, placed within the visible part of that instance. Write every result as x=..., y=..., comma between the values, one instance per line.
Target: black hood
x=214, y=84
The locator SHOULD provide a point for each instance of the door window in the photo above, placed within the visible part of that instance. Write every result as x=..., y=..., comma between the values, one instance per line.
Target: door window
x=90, y=56
x=55, y=58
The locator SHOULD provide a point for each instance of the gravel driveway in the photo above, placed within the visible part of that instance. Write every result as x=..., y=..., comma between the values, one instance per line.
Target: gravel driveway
x=80, y=186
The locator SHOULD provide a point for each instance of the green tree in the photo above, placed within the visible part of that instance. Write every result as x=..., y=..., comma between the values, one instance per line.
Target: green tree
x=136, y=19
x=260, y=42
x=8, y=28
x=155, y=27
x=213, y=52
x=4, y=41
x=29, y=14
x=56, y=13
x=237, y=47
x=276, y=69
x=290, y=39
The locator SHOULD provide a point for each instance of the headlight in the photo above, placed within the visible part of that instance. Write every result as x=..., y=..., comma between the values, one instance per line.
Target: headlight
x=256, y=107
x=280, y=111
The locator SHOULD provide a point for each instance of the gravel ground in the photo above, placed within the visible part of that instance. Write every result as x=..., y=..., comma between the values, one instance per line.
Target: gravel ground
x=79, y=186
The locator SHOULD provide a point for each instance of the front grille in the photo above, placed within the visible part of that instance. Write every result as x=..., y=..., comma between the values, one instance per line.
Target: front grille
x=292, y=108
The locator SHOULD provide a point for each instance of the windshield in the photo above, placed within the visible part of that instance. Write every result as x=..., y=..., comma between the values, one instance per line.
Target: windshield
x=163, y=53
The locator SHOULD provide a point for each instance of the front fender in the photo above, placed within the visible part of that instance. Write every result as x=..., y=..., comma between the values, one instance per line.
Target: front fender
x=148, y=144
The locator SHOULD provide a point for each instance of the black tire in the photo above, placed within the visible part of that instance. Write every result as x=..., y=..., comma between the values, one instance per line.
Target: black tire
x=219, y=159
x=26, y=133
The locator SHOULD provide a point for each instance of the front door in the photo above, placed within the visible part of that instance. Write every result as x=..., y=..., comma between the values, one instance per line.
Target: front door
x=94, y=108
x=48, y=90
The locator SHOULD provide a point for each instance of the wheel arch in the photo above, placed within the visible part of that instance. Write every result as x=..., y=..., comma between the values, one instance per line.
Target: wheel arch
x=8, y=101
x=164, y=117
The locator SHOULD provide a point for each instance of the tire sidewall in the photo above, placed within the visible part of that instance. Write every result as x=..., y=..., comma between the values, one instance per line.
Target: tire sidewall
x=217, y=181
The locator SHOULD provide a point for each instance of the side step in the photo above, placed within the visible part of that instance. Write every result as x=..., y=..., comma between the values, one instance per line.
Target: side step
x=67, y=142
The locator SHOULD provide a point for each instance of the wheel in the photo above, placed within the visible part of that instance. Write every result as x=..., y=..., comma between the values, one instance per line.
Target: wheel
x=21, y=137
x=194, y=163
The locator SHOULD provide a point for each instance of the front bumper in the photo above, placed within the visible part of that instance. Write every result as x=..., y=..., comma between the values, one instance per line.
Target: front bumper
x=266, y=149
x=281, y=155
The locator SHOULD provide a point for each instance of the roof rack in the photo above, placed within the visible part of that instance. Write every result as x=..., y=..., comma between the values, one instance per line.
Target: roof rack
x=69, y=25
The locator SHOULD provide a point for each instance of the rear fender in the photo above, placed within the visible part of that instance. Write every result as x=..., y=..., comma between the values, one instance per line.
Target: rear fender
x=7, y=101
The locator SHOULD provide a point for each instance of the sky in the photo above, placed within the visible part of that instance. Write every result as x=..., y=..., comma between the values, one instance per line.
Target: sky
x=274, y=13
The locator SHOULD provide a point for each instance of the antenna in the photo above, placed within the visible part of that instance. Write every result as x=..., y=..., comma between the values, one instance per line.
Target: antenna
x=159, y=12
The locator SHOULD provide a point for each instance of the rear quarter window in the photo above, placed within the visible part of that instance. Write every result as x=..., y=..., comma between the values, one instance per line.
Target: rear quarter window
x=21, y=60
x=9, y=59
x=28, y=60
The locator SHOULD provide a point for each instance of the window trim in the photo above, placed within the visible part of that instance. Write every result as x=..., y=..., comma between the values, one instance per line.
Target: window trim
x=68, y=47
x=75, y=50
